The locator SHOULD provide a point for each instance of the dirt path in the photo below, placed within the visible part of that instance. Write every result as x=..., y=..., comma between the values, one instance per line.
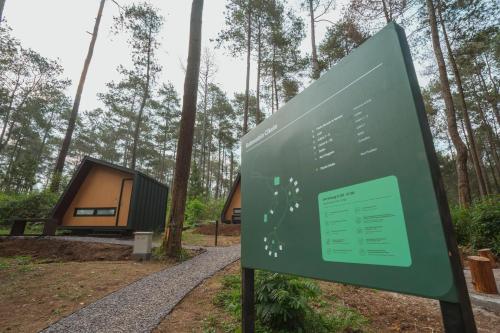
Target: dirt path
x=140, y=306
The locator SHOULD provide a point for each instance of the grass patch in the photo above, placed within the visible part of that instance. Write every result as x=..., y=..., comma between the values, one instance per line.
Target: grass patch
x=191, y=238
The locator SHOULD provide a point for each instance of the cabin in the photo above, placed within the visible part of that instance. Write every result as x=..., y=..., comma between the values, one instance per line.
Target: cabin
x=231, y=213
x=105, y=196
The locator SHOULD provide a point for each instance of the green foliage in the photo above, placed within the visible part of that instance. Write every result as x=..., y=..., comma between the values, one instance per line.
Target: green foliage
x=283, y=301
x=33, y=204
x=198, y=211
x=479, y=226
x=194, y=212
x=230, y=297
x=287, y=303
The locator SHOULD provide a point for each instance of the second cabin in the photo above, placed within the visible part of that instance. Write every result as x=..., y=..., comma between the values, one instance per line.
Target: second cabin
x=105, y=196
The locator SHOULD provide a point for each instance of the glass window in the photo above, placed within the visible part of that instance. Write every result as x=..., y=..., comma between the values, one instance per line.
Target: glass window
x=95, y=211
x=84, y=211
x=105, y=211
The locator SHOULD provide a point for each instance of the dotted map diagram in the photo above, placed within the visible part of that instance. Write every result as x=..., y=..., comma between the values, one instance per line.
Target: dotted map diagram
x=286, y=200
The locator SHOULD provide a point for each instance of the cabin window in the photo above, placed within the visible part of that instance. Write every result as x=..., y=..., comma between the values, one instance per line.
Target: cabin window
x=105, y=212
x=95, y=211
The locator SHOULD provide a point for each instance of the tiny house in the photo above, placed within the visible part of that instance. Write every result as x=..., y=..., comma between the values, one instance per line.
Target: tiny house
x=231, y=213
x=105, y=196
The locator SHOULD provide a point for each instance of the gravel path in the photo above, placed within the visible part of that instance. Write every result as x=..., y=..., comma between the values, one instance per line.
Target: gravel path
x=140, y=306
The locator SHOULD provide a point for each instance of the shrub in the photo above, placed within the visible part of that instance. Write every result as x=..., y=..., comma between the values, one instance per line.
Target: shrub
x=282, y=301
x=194, y=212
x=33, y=204
x=479, y=226
x=285, y=303
x=198, y=211
x=485, y=216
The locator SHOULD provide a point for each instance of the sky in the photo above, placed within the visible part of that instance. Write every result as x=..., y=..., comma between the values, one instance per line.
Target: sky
x=60, y=29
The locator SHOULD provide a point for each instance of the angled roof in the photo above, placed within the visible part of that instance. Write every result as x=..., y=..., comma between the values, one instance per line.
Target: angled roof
x=230, y=197
x=79, y=177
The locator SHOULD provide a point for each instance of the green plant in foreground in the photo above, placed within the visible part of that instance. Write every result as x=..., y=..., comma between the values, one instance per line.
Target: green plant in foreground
x=285, y=303
x=282, y=301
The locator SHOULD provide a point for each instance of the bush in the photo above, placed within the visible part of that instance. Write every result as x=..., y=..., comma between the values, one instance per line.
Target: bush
x=194, y=212
x=33, y=204
x=282, y=301
x=479, y=226
x=198, y=211
x=287, y=303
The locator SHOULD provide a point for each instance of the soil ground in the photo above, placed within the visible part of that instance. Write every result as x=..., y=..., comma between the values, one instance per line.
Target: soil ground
x=385, y=311
x=44, y=280
x=224, y=229
x=57, y=250
x=193, y=237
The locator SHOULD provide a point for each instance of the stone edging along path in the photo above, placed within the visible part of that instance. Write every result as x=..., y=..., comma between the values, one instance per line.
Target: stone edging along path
x=140, y=306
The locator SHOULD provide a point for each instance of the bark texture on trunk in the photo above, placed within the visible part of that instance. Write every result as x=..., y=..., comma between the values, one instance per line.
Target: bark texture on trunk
x=2, y=5
x=461, y=160
x=61, y=159
x=476, y=161
x=145, y=96
x=185, y=143
x=315, y=63
x=249, y=51
x=258, y=118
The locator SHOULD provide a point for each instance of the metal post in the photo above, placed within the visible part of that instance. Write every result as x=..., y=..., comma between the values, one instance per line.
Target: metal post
x=216, y=231
x=456, y=319
x=247, y=300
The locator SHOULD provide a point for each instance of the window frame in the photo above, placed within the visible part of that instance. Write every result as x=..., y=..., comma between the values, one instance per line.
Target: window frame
x=94, y=213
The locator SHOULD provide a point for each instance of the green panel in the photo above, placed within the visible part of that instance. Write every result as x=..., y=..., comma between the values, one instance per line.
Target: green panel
x=355, y=132
x=364, y=224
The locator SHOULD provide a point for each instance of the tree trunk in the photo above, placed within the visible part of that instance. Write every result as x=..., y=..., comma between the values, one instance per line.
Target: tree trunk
x=489, y=133
x=145, y=97
x=476, y=161
x=185, y=143
x=388, y=17
x=463, y=178
x=259, y=60
x=204, y=127
x=483, y=279
x=231, y=169
x=489, y=98
x=217, y=180
x=249, y=51
x=9, y=110
x=315, y=63
x=56, y=177
x=2, y=4
x=274, y=78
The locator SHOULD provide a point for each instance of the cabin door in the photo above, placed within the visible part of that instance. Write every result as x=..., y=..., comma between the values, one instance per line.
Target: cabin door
x=124, y=204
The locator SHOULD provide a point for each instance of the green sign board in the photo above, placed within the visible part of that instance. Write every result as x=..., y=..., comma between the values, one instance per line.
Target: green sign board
x=340, y=184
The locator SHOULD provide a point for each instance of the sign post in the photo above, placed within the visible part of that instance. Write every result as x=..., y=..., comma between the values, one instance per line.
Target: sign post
x=342, y=184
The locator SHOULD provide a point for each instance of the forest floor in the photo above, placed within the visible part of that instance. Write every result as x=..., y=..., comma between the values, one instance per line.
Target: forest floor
x=45, y=280
x=204, y=235
x=379, y=311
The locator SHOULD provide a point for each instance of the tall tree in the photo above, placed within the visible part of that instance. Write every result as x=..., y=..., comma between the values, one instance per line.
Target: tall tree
x=468, y=127
x=340, y=39
x=143, y=23
x=249, y=52
x=2, y=5
x=56, y=177
x=237, y=38
x=312, y=7
x=461, y=160
x=172, y=241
